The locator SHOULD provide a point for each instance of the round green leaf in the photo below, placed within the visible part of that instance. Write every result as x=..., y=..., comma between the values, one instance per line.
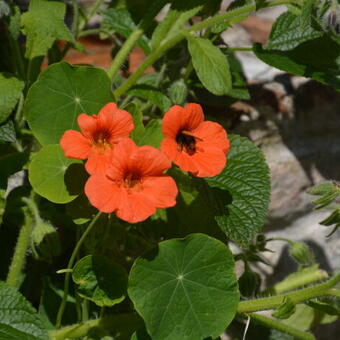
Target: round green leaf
x=61, y=93
x=100, y=280
x=185, y=289
x=55, y=177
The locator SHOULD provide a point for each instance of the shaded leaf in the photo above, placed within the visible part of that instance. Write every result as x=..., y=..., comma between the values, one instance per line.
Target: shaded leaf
x=7, y=132
x=152, y=134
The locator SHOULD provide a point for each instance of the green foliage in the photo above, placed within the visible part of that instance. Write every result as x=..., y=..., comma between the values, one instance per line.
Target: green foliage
x=18, y=319
x=119, y=20
x=210, y=64
x=7, y=132
x=137, y=116
x=246, y=179
x=100, y=280
x=10, y=91
x=43, y=24
x=55, y=177
x=152, y=134
x=67, y=91
x=178, y=92
x=301, y=253
x=192, y=283
x=285, y=310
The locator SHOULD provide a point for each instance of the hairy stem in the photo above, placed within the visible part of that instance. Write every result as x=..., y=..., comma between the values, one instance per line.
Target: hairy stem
x=19, y=256
x=297, y=296
x=70, y=266
x=271, y=323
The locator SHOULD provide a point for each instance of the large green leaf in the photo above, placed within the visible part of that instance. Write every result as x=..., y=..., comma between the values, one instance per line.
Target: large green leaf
x=185, y=289
x=100, y=280
x=10, y=90
x=43, y=24
x=240, y=193
x=55, y=177
x=18, y=319
x=211, y=65
x=119, y=20
x=61, y=93
x=152, y=134
x=289, y=31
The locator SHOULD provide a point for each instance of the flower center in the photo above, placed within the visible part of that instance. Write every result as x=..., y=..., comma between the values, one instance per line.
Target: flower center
x=101, y=140
x=186, y=142
x=132, y=180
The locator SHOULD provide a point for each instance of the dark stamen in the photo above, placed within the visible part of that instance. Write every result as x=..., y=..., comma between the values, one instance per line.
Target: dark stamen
x=186, y=142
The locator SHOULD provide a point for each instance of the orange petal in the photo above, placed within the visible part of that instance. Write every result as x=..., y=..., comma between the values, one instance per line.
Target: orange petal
x=98, y=162
x=161, y=190
x=102, y=193
x=209, y=162
x=118, y=122
x=173, y=121
x=211, y=134
x=150, y=161
x=75, y=145
x=135, y=207
x=87, y=124
x=193, y=115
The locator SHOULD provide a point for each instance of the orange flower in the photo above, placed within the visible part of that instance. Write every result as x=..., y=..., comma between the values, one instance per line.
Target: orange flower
x=134, y=185
x=193, y=144
x=99, y=133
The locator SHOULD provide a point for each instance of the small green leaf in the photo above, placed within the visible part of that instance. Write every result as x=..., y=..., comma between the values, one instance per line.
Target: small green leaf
x=301, y=253
x=43, y=24
x=246, y=180
x=137, y=116
x=178, y=92
x=285, y=310
x=171, y=25
x=120, y=20
x=185, y=288
x=288, y=32
x=211, y=65
x=152, y=134
x=18, y=319
x=100, y=280
x=10, y=91
x=152, y=94
x=55, y=177
x=322, y=189
x=67, y=91
x=7, y=132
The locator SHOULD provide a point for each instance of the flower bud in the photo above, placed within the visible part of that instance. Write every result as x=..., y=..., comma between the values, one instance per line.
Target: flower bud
x=301, y=253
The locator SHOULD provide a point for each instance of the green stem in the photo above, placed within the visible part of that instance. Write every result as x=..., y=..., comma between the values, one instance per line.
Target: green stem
x=89, y=32
x=177, y=38
x=298, y=296
x=70, y=266
x=92, y=11
x=75, y=18
x=19, y=112
x=238, y=49
x=271, y=323
x=282, y=2
x=124, y=51
x=19, y=256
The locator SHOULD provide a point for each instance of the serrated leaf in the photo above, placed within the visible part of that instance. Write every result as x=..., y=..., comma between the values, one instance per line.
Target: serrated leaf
x=211, y=65
x=55, y=177
x=289, y=31
x=43, y=24
x=246, y=179
x=10, y=91
x=171, y=25
x=67, y=91
x=152, y=134
x=7, y=132
x=193, y=284
x=120, y=20
x=18, y=319
x=322, y=189
x=100, y=280
x=152, y=94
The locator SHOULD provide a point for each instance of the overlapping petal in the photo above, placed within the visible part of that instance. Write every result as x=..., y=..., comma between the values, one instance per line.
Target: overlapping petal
x=75, y=145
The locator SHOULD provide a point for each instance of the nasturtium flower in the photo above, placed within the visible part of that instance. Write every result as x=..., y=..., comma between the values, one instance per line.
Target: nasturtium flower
x=193, y=144
x=97, y=137
x=134, y=184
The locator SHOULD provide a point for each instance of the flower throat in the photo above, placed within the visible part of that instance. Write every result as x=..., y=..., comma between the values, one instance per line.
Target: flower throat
x=187, y=142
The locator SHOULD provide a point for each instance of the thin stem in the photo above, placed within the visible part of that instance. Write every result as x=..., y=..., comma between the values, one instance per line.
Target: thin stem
x=75, y=18
x=282, y=2
x=92, y=11
x=19, y=112
x=124, y=51
x=70, y=266
x=33, y=208
x=92, y=31
x=238, y=49
x=297, y=296
x=177, y=38
x=19, y=256
x=271, y=323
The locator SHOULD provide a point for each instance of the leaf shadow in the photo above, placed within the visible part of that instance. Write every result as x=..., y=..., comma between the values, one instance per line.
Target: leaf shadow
x=75, y=178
